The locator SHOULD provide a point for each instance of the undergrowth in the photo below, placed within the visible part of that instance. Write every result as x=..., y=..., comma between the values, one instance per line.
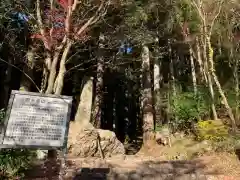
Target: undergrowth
x=191, y=114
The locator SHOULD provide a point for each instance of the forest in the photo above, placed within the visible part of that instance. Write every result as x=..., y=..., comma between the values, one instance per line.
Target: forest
x=141, y=72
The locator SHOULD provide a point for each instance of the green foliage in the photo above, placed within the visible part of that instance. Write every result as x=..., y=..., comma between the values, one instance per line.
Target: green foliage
x=184, y=12
x=186, y=108
x=136, y=15
x=231, y=97
x=213, y=130
x=216, y=133
x=13, y=162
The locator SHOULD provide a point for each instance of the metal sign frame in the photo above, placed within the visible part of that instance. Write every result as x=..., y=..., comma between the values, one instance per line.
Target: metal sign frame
x=8, y=113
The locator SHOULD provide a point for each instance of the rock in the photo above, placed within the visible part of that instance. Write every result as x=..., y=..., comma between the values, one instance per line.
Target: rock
x=83, y=142
x=179, y=135
x=110, y=145
x=41, y=154
x=163, y=137
x=83, y=114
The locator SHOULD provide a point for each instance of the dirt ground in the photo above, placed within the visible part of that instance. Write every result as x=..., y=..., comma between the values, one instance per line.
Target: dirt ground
x=141, y=167
x=177, y=162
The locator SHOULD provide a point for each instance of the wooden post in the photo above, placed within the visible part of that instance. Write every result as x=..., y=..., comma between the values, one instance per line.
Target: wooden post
x=62, y=171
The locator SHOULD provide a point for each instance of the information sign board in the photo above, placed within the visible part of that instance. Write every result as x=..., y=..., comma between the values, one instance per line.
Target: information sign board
x=36, y=120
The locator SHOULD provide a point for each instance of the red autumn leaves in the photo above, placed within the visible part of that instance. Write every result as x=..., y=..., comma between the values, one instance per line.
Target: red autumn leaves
x=64, y=3
x=54, y=22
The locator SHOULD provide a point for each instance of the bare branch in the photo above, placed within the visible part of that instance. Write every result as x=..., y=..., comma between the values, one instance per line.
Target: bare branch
x=51, y=30
x=23, y=73
x=74, y=6
x=39, y=18
x=68, y=17
x=41, y=27
x=197, y=6
x=94, y=18
x=216, y=16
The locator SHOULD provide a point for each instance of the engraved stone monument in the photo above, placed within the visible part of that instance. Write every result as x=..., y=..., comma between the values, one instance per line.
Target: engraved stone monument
x=83, y=114
x=36, y=120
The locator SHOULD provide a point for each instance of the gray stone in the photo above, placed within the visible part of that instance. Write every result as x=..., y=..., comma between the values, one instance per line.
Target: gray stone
x=83, y=142
x=83, y=114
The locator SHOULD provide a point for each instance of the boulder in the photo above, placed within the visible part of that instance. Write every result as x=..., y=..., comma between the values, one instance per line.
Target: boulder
x=163, y=137
x=110, y=145
x=83, y=142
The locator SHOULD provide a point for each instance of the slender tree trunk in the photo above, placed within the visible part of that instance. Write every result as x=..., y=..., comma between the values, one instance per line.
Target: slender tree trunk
x=53, y=68
x=219, y=46
x=53, y=72
x=171, y=85
x=156, y=78
x=156, y=83
x=193, y=71
x=209, y=77
x=147, y=103
x=172, y=77
x=46, y=70
x=212, y=71
x=97, y=105
x=58, y=85
x=156, y=70
x=236, y=77
x=200, y=62
x=156, y=75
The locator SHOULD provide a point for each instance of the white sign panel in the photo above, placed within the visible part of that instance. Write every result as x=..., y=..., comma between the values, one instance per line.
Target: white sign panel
x=37, y=120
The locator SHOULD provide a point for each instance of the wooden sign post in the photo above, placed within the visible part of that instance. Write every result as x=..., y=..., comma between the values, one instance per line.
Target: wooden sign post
x=38, y=121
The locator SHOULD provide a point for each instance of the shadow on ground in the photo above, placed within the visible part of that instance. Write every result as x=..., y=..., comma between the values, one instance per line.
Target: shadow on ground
x=237, y=152
x=161, y=170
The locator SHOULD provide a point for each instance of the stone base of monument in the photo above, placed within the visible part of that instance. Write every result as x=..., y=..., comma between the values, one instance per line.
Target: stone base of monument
x=84, y=142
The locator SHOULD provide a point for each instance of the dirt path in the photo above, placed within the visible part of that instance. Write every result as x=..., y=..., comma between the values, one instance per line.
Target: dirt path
x=217, y=167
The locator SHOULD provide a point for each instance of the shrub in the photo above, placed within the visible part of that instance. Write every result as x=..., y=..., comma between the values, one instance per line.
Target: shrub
x=217, y=135
x=187, y=108
x=13, y=162
x=213, y=130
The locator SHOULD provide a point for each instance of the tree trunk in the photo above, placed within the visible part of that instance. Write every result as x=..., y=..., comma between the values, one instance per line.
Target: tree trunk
x=97, y=105
x=53, y=68
x=219, y=45
x=156, y=73
x=209, y=77
x=236, y=78
x=53, y=72
x=172, y=77
x=200, y=62
x=147, y=103
x=193, y=71
x=156, y=81
x=58, y=85
x=212, y=71
x=46, y=70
